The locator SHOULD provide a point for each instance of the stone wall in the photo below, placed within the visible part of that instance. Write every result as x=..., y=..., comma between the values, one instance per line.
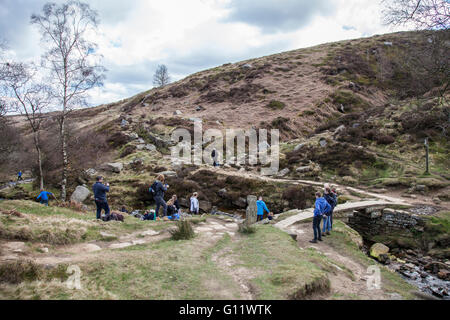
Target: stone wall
x=375, y=221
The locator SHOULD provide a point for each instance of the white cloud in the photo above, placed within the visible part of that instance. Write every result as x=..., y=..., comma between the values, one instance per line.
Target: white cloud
x=192, y=35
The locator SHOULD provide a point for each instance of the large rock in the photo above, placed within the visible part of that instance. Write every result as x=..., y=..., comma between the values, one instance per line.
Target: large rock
x=205, y=206
x=303, y=169
x=378, y=249
x=252, y=210
x=116, y=167
x=240, y=202
x=299, y=147
x=169, y=173
x=283, y=173
x=80, y=194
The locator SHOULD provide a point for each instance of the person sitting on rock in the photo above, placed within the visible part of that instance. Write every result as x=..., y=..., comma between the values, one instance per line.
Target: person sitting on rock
x=171, y=208
x=101, y=201
x=124, y=210
x=176, y=203
x=195, y=207
x=320, y=208
x=270, y=216
x=261, y=205
x=43, y=196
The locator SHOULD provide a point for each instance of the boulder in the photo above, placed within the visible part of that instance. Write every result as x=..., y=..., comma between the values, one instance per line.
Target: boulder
x=303, y=169
x=339, y=130
x=80, y=194
x=299, y=147
x=148, y=147
x=240, y=202
x=169, y=173
x=323, y=142
x=378, y=249
x=246, y=66
x=124, y=123
x=177, y=113
x=205, y=206
x=283, y=172
x=91, y=172
x=116, y=167
x=222, y=193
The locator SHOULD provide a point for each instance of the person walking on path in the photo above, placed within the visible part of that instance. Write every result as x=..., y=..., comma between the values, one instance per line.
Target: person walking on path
x=261, y=206
x=330, y=197
x=43, y=196
x=100, y=189
x=215, y=156
x=320, y=208
x=160, y=187
x=195, y=206
x=19, y=176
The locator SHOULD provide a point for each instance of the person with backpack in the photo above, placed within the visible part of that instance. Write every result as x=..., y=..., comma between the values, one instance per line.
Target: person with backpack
x=195, y=206
x=261, y=206
x=157, y=189
x=100, y=189
x=214, y=156
x=321, y=207
x=43, y=196
x=330, y=197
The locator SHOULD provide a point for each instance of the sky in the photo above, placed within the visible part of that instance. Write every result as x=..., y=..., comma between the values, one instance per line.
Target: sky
x=188, y=36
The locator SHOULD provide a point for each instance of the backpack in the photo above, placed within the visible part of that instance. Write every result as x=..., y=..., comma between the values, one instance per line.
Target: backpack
x=152, y=189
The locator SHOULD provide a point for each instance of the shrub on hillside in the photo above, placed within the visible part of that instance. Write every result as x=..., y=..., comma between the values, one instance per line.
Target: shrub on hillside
x=183, y=231
x=385, y=139
x=127, y=151
x=276, y=105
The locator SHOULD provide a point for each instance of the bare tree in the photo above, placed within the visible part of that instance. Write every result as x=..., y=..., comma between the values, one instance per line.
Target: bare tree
x=30, y=99
x=71, y=60
x=423, y=14
x=161, y=77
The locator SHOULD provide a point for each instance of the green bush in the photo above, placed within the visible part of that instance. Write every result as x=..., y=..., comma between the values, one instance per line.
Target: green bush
x=276, y=105
x=244, y=228
x=183, y=231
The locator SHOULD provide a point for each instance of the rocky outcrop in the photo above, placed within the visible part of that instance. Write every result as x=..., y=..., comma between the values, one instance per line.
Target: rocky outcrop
x=80, y=194
x=377, y=250
x=116, y=167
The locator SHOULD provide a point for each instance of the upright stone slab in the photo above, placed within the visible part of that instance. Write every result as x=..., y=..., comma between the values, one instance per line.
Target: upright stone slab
x=251, y=210
x=80, y=194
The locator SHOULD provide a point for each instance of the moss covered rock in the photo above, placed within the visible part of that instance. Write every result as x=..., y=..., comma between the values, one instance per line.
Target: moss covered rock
x=378, y=249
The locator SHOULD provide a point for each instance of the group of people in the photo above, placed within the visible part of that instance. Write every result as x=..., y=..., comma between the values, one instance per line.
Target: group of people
x=323, y=211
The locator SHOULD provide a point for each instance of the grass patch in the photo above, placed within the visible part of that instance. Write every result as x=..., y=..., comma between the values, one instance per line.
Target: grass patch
x=276, y=105
x=183, y=231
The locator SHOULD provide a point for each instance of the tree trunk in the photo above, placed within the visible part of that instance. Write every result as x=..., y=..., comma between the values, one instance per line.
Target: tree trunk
x=38, y=149
x=64, y=157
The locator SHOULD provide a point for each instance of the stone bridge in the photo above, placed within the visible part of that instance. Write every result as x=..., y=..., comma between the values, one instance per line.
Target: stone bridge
x=348, y=207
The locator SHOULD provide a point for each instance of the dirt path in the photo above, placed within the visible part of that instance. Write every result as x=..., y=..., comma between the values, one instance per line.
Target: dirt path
x=249, y=175
x=342, y=284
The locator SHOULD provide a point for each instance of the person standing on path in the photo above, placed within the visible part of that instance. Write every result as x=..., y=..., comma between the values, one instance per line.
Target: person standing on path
x=195, y=206
x=261, y=206
x=101, y=201
x=160, y=187
x=330, y=197
x=19, y=176
x=215, y=156
x=320, y=208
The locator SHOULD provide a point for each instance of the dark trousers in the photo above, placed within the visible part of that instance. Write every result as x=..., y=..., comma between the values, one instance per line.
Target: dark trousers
x=101, y=205
x=259, y=218
x=160, y=202
x=331, y=220
x=19, y=178
x=316, y=227
x=44, y=202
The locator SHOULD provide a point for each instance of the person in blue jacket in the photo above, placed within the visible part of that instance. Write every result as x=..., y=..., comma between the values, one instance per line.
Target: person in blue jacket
x=101, y=201
x=43, y=196
x=320, y=208
x=261, y=206
x=19, y=176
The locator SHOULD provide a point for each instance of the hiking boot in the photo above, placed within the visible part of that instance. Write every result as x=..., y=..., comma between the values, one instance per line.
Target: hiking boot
x=328, y=233
x=324, y=234
x=320, y=239
x=313, y=241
